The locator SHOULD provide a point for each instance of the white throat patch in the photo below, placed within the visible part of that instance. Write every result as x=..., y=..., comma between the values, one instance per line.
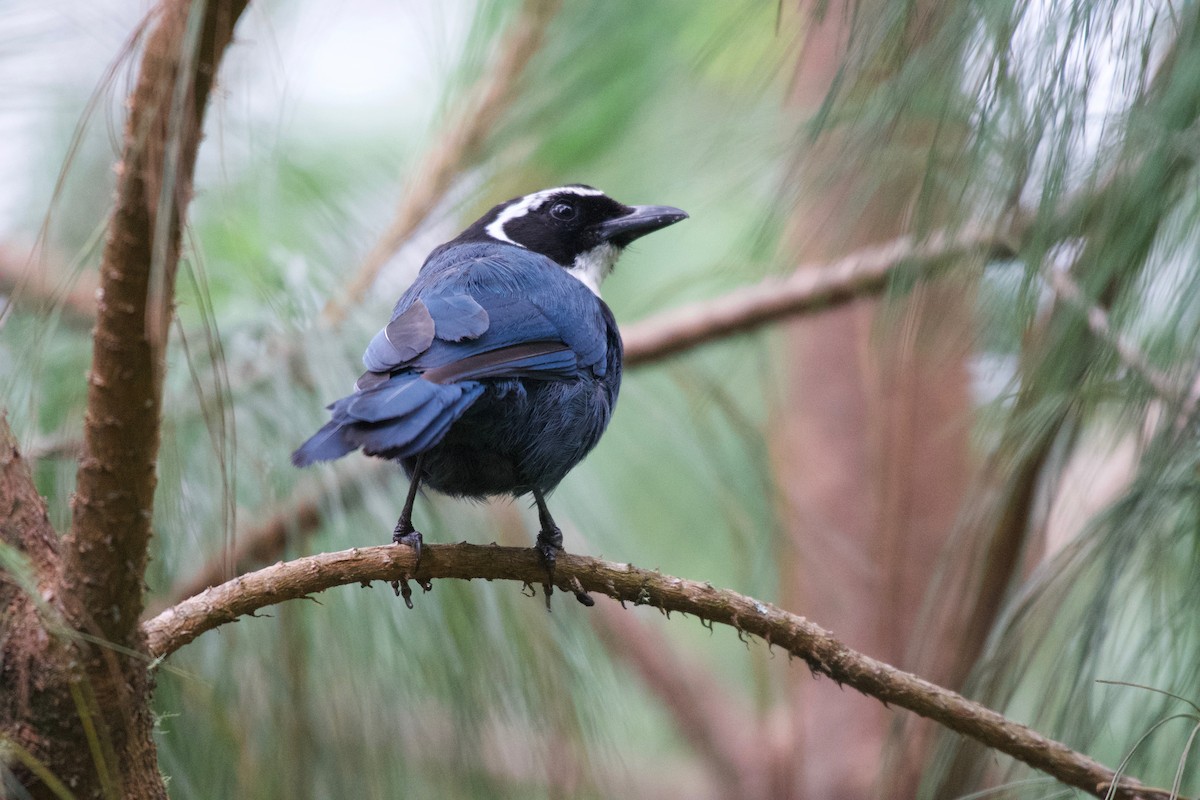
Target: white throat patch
x=593, y=266
x=530, y=202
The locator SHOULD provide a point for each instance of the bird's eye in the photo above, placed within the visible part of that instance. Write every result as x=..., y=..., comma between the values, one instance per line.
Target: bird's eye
x=563, y=211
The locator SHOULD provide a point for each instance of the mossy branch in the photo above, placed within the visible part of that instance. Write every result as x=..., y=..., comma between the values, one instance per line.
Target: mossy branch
x=824, y=654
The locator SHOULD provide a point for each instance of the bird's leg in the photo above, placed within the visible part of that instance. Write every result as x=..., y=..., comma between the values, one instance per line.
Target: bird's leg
x=405, y=534
x=550, y=538
x=549, y=544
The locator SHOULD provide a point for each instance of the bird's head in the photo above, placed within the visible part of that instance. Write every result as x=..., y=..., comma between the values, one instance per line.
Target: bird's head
x=580, y=228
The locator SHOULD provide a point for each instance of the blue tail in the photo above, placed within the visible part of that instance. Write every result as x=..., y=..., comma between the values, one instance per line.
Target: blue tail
x=400, y=417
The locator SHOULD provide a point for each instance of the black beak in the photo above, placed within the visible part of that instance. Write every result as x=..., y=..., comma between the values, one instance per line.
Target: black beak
x=640, y=221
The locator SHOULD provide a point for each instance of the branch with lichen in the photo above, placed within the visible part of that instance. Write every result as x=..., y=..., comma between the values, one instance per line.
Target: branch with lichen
x=819, y=649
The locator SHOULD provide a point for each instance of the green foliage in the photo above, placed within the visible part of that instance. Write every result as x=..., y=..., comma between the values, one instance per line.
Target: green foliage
x=1081, y=116
x=1088, y=115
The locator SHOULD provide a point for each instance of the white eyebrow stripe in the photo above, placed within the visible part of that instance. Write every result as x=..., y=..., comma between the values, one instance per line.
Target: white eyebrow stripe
x=495, y=228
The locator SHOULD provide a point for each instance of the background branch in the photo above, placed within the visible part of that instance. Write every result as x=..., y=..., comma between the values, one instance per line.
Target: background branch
x=810, y=287
x=40, y=281
x=823, y=653
x=1101, y=326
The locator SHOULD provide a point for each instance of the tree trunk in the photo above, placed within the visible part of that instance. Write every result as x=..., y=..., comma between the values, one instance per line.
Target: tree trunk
x=873, y=452
x=74, y=680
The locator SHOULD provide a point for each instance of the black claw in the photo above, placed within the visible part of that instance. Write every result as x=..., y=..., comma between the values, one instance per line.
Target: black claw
x=413, y=539
x=549, y=544
x=402, y=589
x=581, y=594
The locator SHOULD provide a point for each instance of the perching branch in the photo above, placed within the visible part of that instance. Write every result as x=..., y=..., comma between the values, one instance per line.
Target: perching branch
x=460, y=146
x=823, y=653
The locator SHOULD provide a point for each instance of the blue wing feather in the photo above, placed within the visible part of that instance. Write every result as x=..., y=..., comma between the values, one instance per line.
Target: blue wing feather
x=544, y=360
x=404, y=338
x=424, y=419
x=434, y=433
x=324, y=445
x=457, y=316
x=401, y=395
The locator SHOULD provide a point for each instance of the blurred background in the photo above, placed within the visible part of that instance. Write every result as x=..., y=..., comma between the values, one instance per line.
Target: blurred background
x=985, y=473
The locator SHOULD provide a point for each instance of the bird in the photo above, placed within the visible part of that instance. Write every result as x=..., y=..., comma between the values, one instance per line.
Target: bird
x=500, y=366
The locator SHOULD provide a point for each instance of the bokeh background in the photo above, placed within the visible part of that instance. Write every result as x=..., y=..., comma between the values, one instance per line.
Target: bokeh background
x=985, y=473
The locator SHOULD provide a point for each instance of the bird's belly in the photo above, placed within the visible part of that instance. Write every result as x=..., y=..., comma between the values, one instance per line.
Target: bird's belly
x=519, y=436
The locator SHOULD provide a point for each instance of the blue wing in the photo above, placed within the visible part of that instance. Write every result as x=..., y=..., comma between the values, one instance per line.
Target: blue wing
x=475, y=312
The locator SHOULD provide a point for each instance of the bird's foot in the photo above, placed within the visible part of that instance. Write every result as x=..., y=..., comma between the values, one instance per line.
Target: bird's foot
x=412, y=539
x=549, y=545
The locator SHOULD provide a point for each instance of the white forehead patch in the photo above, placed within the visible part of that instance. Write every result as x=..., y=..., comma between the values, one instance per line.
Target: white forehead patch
x=593, y=266
x=531, y=202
